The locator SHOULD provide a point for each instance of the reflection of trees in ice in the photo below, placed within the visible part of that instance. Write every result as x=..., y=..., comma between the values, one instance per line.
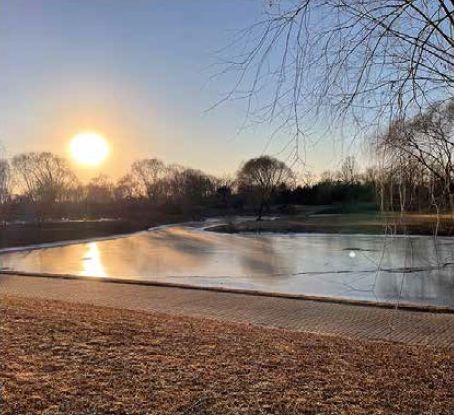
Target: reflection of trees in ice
x=422, y=270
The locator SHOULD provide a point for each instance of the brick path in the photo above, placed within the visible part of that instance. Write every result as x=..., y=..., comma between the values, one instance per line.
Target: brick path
x=363, y=322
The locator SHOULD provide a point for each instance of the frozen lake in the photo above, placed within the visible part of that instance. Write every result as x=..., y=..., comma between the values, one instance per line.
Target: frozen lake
x=367, y=267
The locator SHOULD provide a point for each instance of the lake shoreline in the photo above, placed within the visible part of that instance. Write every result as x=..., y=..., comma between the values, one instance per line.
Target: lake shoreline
x=348, y=224
x=29, y=234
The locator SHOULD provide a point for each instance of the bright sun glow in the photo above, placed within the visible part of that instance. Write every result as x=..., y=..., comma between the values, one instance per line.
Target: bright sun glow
x=89, y=148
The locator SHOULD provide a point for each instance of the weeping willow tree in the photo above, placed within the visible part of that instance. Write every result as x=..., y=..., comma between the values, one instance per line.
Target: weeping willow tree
x=418, y=155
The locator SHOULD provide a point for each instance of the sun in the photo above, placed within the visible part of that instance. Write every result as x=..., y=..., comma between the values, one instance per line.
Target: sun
x=89, y=148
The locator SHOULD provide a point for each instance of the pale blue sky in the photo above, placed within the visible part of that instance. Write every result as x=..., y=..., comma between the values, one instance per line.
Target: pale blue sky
x=137, y=71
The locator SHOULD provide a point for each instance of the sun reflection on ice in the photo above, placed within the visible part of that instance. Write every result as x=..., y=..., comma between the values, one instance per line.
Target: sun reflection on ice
x=92, y=264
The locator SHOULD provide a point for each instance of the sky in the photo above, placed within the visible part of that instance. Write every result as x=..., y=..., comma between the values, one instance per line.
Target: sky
x=140, y=72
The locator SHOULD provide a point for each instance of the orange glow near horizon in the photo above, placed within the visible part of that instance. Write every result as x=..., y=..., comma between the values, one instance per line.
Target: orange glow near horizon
x=89, y=148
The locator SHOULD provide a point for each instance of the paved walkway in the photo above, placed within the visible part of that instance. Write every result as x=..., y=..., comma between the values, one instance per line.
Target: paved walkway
x=360, y=322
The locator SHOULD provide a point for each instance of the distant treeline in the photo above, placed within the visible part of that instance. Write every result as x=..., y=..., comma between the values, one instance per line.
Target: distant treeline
x=414, y=172
x=41, y=186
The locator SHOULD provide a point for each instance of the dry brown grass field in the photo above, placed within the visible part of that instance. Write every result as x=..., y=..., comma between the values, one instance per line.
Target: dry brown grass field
x=59, y=358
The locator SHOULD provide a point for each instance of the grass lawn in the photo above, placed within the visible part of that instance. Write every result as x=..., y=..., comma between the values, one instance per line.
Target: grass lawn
x=59, y=358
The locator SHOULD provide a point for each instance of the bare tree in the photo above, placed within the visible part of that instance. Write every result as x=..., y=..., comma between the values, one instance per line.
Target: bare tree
x=357, y=61
x=5, y=186
x=189, y=186
x=327, y=176
x=5, y=181
x=148, y=174
x=349, y=172
x=225, y=186
x=159, y=183
x=423, y=148
x=44, y=179
x=261, y=176
x=126, y=188
x=100, y=189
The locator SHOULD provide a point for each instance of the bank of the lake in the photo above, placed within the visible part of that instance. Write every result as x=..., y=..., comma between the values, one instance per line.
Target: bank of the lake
x=18, y=234
x=24, y=234
x=65, y=358
x=30, y=233
x=348, y=223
